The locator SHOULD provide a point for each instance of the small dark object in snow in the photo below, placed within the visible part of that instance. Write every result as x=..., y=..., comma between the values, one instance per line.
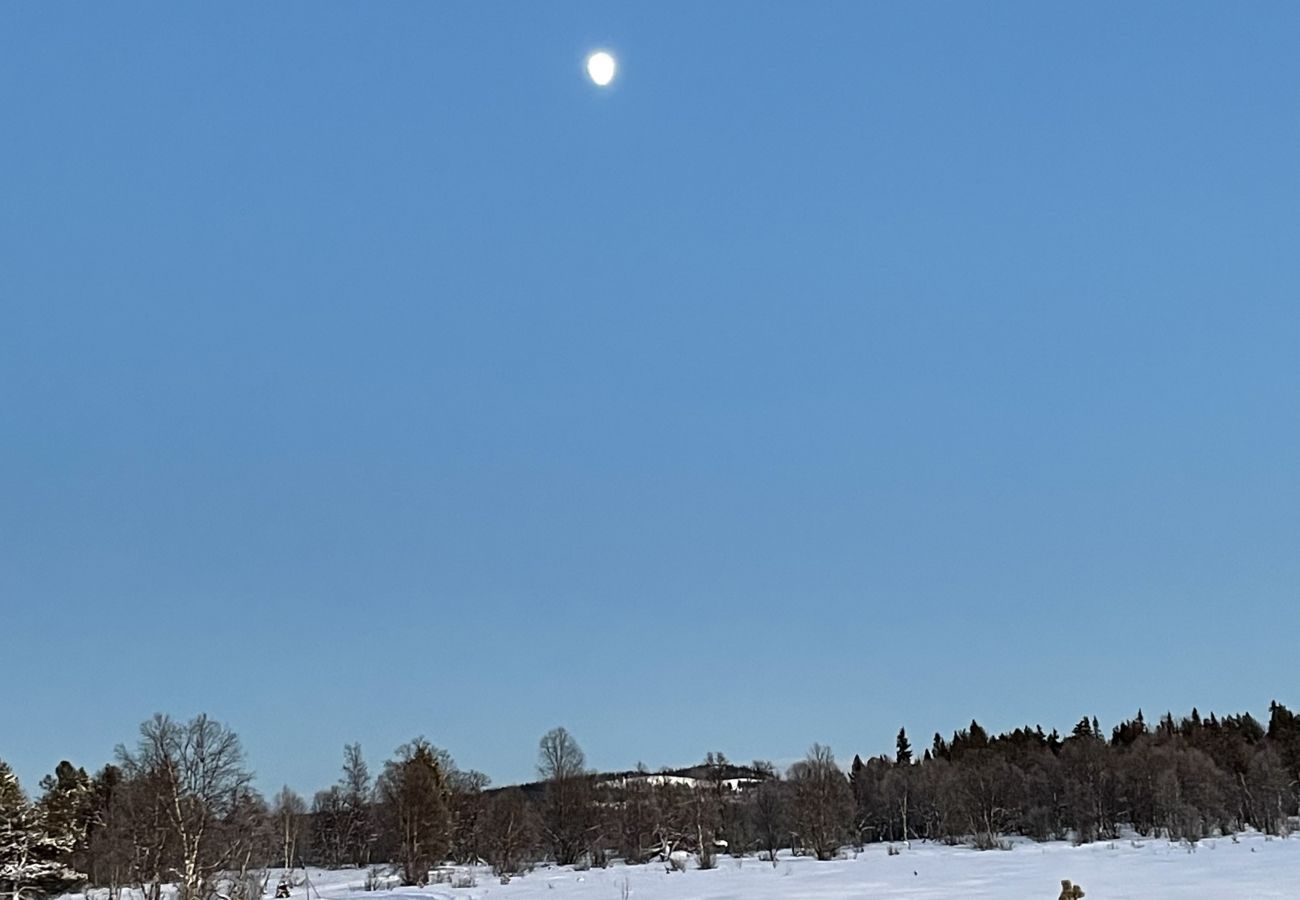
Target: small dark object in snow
x=282, y=890
x=1070, y=891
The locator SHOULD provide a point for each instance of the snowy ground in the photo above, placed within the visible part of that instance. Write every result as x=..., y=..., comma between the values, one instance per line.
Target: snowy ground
x=1253, y=868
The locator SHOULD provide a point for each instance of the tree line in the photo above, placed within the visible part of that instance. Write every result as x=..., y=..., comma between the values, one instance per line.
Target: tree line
x=179, y=807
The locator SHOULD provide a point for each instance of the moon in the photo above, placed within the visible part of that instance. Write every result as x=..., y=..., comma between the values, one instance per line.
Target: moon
x=601, y=67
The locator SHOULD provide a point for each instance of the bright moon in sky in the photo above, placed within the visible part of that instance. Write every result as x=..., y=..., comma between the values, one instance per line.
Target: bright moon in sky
x=600, y=66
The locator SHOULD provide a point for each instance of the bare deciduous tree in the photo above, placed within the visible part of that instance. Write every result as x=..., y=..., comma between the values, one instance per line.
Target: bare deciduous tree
x=135, y=842
x=823, y=804
x=639, y=816
x=195, y=773
x=467, y=814
x=562, y=765
x=357, y=798
x=559, y=757
x=289, y=814
x=769, y=813
x=511, y=829
x=986, y=788
x=329, y=844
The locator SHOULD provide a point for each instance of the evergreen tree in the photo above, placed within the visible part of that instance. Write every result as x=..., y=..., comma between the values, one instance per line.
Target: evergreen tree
x=1284, y=733
x=1126, y=733
x=33, y=862
x=415, y=793
x=860, y=788
x=903, y=756
x=857, y=776
x=67, y=803
x=68, y=808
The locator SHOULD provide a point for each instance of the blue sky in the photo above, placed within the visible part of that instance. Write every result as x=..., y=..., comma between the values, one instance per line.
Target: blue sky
x=366, y=372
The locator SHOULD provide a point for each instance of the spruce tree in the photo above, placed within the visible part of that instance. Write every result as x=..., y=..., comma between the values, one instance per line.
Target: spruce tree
x=67, y=804
x=904, y=755
x=415, y=794
x=32, y=861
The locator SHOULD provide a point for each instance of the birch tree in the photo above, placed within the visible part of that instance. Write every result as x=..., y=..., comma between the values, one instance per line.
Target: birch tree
x=289, y=814
x=196, y=770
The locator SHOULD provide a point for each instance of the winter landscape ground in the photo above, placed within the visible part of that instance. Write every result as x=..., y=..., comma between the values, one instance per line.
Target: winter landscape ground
x=1252, y=867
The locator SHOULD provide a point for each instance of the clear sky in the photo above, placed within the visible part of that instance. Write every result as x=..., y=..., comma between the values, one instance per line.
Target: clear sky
x=367, y=372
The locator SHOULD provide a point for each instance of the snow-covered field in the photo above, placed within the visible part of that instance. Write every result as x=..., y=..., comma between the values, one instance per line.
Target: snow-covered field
x=1253, y=868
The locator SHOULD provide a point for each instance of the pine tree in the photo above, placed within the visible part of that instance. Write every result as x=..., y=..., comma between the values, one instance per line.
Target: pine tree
x=32, y=861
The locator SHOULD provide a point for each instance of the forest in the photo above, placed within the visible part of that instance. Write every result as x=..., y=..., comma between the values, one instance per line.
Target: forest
x=177, y=811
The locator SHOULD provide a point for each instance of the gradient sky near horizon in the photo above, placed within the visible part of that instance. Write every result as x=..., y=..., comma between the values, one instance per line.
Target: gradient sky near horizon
x=366, y=372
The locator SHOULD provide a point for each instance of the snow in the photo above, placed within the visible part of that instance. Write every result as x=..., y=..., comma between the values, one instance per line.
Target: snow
x=1252, y=868
x=658, y=780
